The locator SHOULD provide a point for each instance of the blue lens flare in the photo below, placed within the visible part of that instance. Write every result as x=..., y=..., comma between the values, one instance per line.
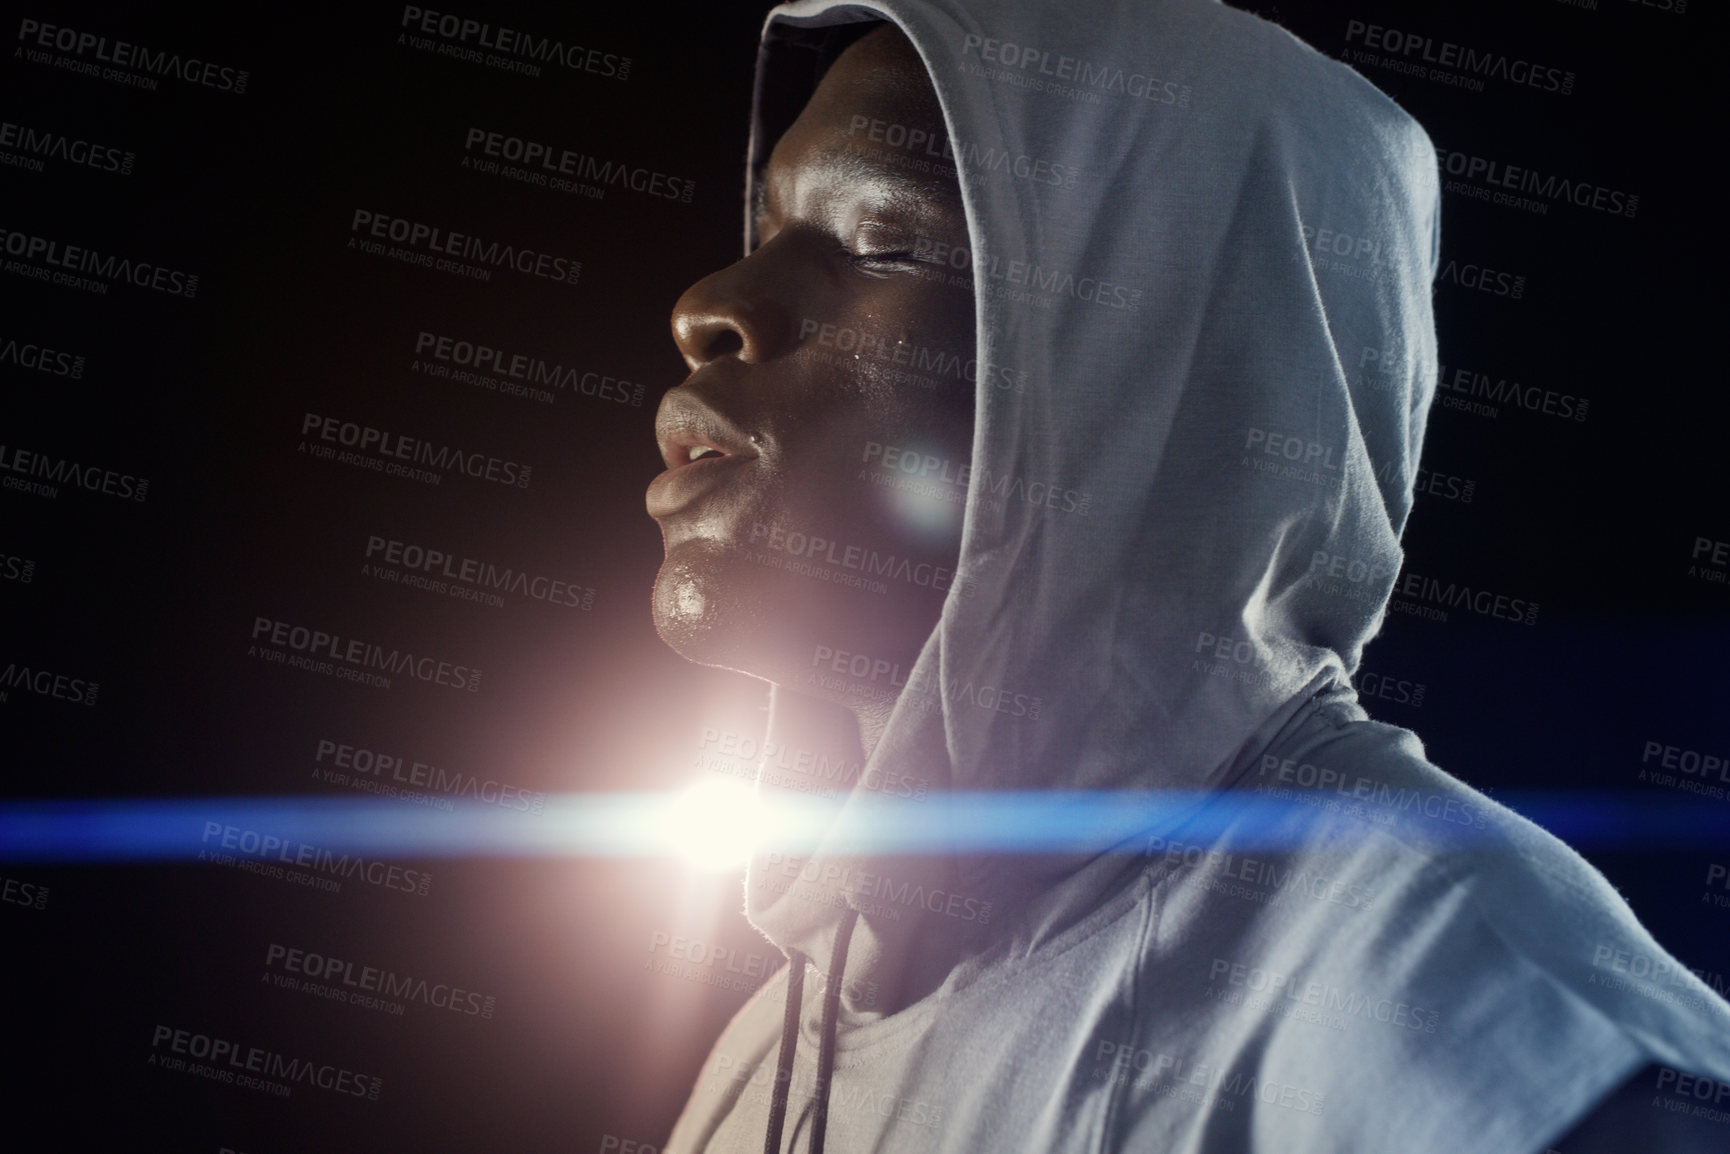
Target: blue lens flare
x=610, y=825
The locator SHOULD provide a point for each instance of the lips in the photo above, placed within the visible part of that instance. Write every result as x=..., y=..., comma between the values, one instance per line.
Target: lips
x=702, y=448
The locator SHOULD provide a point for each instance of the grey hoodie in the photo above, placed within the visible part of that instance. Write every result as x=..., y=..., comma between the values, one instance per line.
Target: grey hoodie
x=1202, y=256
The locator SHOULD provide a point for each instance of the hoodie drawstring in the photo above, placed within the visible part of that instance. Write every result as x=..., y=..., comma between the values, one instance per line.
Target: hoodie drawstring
x=831, y=1011
x=790, y=1039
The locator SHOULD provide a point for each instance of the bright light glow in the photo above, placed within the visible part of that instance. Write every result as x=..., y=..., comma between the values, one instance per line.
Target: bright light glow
x=929, y=506
x=932, y=511
x=716, y=824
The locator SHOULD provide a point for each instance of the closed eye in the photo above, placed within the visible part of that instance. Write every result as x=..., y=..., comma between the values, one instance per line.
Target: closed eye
x=881, y=263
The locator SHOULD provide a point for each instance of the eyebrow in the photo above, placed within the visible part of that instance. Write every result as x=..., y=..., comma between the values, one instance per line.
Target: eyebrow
x=932, y=192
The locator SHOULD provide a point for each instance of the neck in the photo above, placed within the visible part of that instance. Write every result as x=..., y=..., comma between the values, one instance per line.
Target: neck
x=801, y=723
x=898, y=960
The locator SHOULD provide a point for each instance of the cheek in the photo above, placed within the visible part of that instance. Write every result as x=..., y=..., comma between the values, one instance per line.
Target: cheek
x=892, y=480
x=920, y=471
x=902, y=343
x=880, y=430
x=819, y=482
x=920, y=488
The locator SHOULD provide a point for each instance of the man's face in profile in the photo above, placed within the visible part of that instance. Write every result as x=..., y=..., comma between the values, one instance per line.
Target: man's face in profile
x=782, y=539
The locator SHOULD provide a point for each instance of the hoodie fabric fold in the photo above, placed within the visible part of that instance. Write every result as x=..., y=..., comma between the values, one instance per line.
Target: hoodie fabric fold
x=1202, y=256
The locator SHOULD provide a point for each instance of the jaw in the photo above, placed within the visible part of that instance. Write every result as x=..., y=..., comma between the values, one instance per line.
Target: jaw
x=697, y=609
x=715, y=604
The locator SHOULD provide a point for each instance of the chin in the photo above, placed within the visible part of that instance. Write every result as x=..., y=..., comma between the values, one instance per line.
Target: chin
x=709, y=607
x=715, y=607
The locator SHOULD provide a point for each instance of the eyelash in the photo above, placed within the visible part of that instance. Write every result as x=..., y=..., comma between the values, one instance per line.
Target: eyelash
x=865, y=262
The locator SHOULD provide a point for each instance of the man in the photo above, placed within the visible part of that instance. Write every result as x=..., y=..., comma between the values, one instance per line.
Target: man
x=1019, y=454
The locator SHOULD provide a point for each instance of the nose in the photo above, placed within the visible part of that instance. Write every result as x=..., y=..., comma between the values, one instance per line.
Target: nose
x=743, y=310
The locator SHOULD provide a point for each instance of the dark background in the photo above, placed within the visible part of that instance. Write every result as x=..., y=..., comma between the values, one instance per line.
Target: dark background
x=1595, y=520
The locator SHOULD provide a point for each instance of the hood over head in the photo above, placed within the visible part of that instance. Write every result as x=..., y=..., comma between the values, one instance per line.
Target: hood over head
x=1201, y=255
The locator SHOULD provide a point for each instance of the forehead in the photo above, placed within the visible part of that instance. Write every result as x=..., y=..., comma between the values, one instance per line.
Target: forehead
x=874, y=119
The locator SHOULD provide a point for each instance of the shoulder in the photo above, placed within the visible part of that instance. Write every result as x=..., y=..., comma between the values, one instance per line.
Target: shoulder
x=1422, y=967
